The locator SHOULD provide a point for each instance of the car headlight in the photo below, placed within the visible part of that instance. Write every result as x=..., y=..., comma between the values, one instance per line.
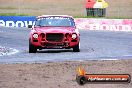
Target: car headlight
x=35, y=35
x=74, y=36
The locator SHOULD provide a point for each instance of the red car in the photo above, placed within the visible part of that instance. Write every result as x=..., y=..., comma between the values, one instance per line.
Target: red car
x=54, y=32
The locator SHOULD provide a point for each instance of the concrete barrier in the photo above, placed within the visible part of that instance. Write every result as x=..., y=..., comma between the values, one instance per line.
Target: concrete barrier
x=81, y=23
x=16, y=21
x=104, y=24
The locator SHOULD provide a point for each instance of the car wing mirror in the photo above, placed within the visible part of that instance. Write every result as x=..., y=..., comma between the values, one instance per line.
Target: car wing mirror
x=29, y=26
x=75, y=27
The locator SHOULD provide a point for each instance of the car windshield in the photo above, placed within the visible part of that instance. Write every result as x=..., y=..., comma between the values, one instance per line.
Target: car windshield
x=55, y=21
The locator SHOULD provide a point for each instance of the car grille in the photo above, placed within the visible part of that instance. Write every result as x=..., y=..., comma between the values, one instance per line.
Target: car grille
x=54, y=37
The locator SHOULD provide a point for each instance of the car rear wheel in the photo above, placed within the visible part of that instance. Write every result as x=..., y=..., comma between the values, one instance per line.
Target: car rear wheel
x=76, y=48
x=81, y=80
x=32, y=48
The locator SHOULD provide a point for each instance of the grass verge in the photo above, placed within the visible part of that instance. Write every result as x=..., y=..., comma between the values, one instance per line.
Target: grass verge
x=21, y=14
x=12, y=14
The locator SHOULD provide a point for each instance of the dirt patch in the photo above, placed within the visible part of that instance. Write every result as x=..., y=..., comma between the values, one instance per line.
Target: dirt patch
x=60, y=74
x=117, y=8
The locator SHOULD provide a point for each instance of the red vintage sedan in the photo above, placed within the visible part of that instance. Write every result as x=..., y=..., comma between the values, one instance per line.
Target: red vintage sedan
x=54, y=32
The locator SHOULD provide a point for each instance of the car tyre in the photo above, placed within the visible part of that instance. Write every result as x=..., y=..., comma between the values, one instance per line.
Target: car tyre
x=32, y=48
x=81, y=80
x=76, y=48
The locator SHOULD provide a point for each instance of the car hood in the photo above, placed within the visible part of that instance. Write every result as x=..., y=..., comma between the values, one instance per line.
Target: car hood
x=55, y=29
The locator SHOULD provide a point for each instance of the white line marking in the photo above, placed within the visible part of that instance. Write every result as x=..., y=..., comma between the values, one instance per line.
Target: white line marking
x=7, y=51
x=109, y=59
x=127, y=55
x=13, y=51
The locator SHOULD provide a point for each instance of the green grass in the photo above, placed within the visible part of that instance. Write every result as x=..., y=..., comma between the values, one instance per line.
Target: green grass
x=21, y=14
x=114, y=17
x=8, y=8
x=119, y=18
x=12, y=14
x=86, y=17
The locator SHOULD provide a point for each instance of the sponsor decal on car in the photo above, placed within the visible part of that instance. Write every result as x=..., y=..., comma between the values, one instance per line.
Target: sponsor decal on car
x=82, y=77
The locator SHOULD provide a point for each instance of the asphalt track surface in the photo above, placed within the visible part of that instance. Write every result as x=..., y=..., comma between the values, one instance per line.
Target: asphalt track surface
x=95, y=45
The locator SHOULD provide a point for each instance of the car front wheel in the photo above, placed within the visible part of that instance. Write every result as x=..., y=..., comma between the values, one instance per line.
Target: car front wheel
x=32, y=48
x=76, y=48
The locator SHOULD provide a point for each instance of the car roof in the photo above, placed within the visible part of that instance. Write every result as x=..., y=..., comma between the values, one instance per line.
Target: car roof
x=53, y=16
